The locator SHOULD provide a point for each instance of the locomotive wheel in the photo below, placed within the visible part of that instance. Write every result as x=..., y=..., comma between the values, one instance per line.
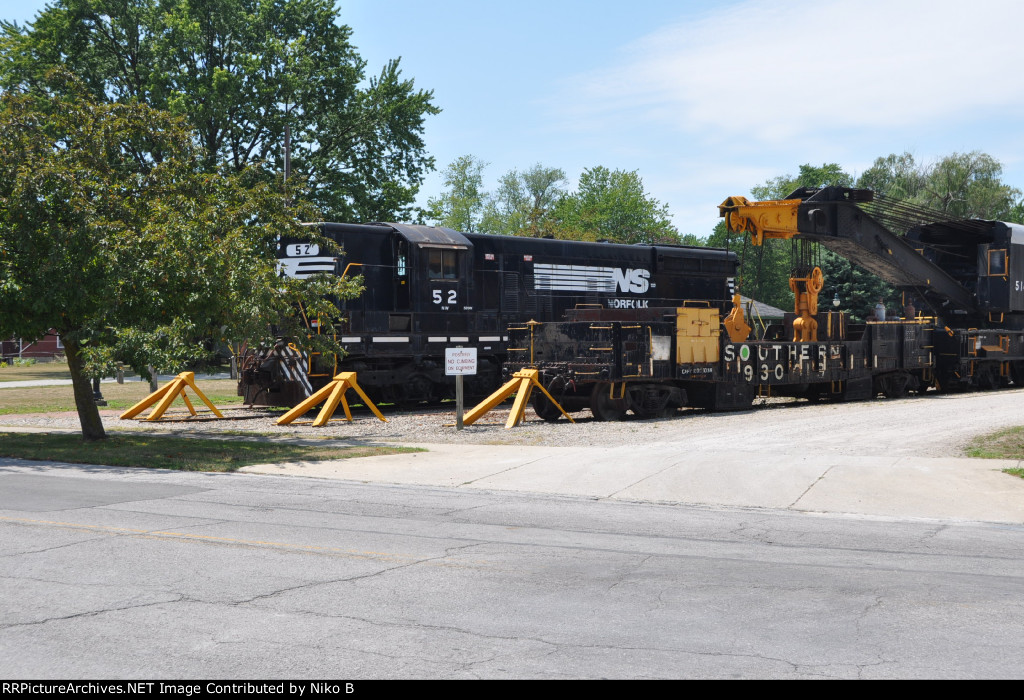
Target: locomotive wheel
x=1017, y=373
x=893, y=386
x=987, y=378
x=542, y=404
x=646, y=401
x=894, y=392
x=417, y=388
x=544, y=408
x=603, y=406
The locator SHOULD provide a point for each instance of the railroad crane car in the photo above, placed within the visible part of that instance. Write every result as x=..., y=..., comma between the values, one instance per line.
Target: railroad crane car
x=968, y=275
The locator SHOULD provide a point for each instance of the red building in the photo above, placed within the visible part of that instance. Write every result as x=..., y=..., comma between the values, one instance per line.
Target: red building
x=45, y=348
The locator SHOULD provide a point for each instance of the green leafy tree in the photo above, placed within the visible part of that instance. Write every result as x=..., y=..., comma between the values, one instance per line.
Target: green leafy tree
x=969, y=186
x=825, y=175
x=461, y=206
x=959, y=186
x=241, y=71
x=613, y=205
x=522, y=204
x=897, y=176
x=136, y=259
x=857, y=289
x=1016, y=213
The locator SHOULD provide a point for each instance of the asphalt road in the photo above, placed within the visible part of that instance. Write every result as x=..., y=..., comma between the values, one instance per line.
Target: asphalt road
x=141, y=574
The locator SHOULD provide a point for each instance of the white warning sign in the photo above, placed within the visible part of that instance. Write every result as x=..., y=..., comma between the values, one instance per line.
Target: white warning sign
x=459, y=361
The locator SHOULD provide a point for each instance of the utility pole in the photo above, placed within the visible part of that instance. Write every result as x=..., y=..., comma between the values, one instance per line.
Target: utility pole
x=287, y=161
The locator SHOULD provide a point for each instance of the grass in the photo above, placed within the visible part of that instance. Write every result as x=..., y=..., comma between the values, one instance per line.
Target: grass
x=1002, y=444
x=51, y=399
x=40, y=370
x=183, y=454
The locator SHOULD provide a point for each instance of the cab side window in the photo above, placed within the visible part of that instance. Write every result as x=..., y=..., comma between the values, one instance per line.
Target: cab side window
x=442, y=264
x=997, y=263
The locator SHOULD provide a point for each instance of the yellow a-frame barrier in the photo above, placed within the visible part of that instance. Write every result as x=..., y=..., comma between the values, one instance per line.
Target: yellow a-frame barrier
x=331, y=394
x=172, y=390
x=522, y=382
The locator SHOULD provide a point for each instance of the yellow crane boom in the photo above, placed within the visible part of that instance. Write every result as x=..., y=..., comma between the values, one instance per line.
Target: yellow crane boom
x=774, y=219
x=769, y=219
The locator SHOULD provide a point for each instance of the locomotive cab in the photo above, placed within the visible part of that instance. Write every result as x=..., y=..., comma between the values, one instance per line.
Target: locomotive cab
x=986, y=257
x=433, y=273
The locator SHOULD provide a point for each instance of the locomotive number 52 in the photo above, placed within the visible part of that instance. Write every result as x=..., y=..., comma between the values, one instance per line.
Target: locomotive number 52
x=439, y=296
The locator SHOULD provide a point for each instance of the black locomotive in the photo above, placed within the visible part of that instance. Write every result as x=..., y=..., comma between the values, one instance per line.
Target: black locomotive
x=427, y=289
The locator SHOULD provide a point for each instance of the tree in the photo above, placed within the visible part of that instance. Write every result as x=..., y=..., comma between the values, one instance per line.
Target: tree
x=825, y=175
x=608, y=205
x=613, y=205
x=241, y=71
x=522, y=204
x=461, y=205
x=858, y=290
x=895, y=176
x=692, y=239
x=135, y=259
x=968, y=186
x=959, y=186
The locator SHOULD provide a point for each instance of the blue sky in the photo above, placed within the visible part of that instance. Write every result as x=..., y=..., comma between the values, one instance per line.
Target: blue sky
x=703, y=99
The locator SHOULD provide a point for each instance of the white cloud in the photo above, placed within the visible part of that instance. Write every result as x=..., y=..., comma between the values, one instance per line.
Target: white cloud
x=770, y=72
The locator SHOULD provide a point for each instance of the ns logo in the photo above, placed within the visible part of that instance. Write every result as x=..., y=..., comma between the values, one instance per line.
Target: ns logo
x=636, y=281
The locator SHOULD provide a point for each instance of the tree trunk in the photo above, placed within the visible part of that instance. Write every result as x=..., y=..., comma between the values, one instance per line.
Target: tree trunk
x=88, y=413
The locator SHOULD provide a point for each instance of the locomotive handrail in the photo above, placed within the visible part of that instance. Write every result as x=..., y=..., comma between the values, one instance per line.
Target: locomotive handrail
x=353, y=264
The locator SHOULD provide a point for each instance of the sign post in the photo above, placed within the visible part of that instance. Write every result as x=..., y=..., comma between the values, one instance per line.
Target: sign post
x=459, y=361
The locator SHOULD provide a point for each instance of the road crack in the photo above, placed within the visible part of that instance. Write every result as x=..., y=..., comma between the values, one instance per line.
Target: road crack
x=813, y=484
x=347, y=579
x=93, y=613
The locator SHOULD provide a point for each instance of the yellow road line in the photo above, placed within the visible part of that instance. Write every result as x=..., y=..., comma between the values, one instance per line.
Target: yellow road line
x=168, y=534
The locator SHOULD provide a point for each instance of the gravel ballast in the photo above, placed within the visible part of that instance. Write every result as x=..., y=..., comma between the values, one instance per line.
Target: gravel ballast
x=931, y=425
